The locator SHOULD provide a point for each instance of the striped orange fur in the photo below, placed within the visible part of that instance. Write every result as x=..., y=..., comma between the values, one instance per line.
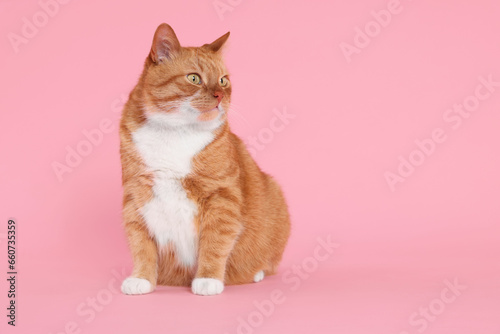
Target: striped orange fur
x=218, y=198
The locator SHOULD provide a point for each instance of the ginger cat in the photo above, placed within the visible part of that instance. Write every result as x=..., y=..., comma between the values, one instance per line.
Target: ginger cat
x=197, y=209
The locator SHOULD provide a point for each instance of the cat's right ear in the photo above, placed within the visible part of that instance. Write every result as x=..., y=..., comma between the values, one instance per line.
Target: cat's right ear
x=165, y=43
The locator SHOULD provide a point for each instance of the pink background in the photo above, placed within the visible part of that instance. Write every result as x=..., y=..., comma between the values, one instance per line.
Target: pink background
x=352, y=120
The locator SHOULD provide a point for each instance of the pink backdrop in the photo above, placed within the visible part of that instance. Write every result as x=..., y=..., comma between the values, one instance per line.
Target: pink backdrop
x=380, y=119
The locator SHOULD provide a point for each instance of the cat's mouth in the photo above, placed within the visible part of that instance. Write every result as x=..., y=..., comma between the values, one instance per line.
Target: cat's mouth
x=213, y=109
x=208, y=115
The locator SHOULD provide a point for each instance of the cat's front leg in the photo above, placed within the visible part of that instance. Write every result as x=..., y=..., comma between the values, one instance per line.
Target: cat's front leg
x=145, y=256
x=219, y=228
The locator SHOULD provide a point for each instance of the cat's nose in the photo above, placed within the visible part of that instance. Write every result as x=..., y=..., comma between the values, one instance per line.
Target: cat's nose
x=218, y=95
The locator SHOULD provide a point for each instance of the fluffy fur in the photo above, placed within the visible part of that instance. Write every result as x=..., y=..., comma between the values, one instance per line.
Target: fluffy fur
x=197, y=209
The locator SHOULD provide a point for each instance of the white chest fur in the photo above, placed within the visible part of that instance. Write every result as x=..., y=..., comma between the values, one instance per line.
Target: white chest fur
x=169, y=215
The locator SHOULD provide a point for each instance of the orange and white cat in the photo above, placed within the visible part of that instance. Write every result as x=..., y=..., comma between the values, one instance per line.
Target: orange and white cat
x=197, y=209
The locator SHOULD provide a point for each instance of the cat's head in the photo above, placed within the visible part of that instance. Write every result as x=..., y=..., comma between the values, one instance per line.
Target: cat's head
x=186, y=85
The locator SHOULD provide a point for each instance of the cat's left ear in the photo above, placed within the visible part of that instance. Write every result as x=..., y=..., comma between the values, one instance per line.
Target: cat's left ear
x=218, y=43
x=165, y=43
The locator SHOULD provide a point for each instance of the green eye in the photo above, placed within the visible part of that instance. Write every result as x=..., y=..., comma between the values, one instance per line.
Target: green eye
x=194, y=78
x=223, y=81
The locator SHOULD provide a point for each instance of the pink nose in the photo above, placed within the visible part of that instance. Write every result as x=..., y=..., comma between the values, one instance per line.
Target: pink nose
x=218, y=95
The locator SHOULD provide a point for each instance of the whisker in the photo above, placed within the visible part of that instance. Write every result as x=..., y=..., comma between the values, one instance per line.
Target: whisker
x=240, y=118
x=236, y=112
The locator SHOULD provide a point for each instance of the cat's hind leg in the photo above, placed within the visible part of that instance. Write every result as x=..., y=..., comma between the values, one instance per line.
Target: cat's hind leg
x=259, y=276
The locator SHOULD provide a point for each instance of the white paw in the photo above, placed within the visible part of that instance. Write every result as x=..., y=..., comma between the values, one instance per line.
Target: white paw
x=259, y=276
x=136, y=286
x=207, y=286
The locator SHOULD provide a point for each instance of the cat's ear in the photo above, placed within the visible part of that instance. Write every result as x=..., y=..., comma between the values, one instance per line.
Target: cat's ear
x=218, y=43
x=165, y=43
